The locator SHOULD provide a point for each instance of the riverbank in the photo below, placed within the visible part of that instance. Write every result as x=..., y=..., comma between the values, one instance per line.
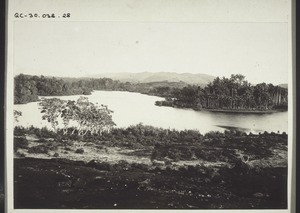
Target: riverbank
x=241, y=111
x=230, y=111
x=143, y=167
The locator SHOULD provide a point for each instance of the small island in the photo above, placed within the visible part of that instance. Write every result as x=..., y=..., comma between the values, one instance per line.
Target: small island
x=229, y=95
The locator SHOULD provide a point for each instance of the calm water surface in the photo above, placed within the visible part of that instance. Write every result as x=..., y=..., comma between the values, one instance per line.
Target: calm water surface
x=133, y=108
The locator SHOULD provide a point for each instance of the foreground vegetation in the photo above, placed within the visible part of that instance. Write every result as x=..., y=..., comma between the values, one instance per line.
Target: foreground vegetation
x=173, y=144
x=147, y=167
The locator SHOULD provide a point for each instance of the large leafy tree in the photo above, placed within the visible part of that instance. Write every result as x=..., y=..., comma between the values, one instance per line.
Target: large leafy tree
x=83, y=115
x=52, y=109
x=91, y=117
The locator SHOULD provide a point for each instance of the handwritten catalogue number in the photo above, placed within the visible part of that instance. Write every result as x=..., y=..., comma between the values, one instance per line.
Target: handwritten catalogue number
x=44, y=15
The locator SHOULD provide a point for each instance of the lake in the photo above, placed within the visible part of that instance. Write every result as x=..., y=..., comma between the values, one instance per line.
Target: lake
x=133, y=108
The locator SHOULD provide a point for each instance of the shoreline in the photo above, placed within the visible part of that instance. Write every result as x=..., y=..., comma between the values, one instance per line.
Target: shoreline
x=243, y=111
x=233, y=111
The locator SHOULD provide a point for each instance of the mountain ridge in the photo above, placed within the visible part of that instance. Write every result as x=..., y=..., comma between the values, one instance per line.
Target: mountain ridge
x=148, y=77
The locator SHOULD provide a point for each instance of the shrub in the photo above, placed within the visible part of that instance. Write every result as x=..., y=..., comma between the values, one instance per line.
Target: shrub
x=21, y=155
x=19, y=131
x=41, y=133
x=67, y=148
x=79, y=151
x=40, y=149
x=140, y=166
x=100, y=165
x=241, y=167
x=20, y=142
x=42, y=140
x=46, y=133
x=122, y=165
x=215, y=134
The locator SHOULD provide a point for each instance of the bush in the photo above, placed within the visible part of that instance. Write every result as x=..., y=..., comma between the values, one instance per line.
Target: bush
x=67, y=148
x=241, y=167
x=79, y=151
x=40, y=149
x=215, y=134
x=19, y=131
x=140, y=166
x=42, y=140
x=21, y=155
x=46, y=133
x=122, y=165
x=41, y=133
x=20, y=143
x=100, y=165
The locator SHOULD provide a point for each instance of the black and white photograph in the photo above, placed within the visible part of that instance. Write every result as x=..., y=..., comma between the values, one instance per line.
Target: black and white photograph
x=149, y=105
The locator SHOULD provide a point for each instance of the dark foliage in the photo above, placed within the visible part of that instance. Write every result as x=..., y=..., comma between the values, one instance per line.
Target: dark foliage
x=28, y=88
x=20, y=142
x=40, y=149
x=79, y=151
x=163, y=144
x=232, y=93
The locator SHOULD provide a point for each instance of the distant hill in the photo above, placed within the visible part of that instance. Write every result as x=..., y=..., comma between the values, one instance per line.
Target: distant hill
x=147, y=77
x=152, y=85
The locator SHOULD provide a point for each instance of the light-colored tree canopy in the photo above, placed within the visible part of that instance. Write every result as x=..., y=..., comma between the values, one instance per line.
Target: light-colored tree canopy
x=83, y=115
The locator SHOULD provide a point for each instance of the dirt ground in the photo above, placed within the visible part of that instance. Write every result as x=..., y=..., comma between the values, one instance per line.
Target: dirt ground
x=214, y=174
x=57, y=183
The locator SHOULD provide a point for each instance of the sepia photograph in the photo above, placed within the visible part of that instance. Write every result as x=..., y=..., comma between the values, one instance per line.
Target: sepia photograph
x=149, y=105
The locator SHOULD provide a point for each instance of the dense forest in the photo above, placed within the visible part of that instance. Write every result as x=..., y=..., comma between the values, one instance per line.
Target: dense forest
x=234, y=93
x=28, y=88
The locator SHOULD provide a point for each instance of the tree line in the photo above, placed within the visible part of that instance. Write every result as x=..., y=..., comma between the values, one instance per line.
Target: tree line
x=27, y=88
x=234, y=93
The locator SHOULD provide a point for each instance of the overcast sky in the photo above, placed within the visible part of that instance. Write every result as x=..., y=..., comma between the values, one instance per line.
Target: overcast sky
x=257, y=50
